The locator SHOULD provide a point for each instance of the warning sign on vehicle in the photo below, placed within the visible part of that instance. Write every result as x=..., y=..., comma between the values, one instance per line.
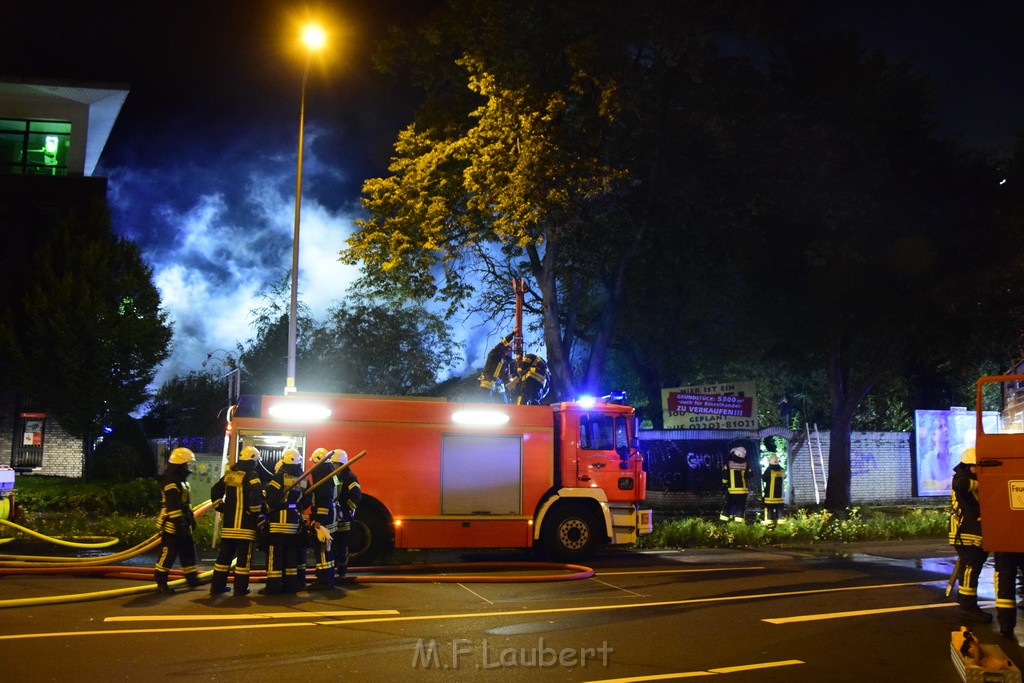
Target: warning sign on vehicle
x=1016, y=495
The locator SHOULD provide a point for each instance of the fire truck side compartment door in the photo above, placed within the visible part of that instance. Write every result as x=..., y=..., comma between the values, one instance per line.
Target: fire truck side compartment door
x=481, y=474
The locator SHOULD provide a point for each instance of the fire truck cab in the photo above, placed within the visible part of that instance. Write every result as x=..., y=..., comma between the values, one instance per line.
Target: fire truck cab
x=567, y=477
x=1000, y=453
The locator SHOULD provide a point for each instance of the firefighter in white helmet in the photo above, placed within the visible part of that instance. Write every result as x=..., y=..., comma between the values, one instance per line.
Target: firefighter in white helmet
x=323, y=518
x=965, y=537
x=176, y=522
x=349, y=496
x=282, y=497
x=734, y=478
x=238, y=496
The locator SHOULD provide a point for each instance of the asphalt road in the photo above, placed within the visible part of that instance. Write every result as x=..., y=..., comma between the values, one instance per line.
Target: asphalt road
x=851, y=613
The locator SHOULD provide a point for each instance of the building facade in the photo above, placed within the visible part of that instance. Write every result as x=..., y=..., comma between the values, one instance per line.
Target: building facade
x=51, y=137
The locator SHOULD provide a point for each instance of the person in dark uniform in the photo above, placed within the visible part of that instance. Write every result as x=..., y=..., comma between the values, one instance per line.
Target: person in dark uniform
x=1008, y=567
x=498, y=368
x=176, y=522
x=282, y=496
x=238, y=496
x=734, y=478
x=350, y=494
x=965, y=537
x=323, y=518
x=773, y=478
x=531, y=382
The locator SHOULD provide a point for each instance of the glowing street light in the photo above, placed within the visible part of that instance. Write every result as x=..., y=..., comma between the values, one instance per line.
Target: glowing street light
x=314, y=38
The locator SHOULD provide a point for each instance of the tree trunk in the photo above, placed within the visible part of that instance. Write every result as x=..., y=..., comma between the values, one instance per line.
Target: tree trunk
x=563, y=384
x=846, y=396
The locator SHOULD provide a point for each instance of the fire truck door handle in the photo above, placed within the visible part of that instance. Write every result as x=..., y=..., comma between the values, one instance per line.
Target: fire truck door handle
x=598, y=465
x=990, y=463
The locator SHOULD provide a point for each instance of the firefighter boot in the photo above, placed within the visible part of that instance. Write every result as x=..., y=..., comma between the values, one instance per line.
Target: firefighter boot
x=192, y=579
x=324, y=580
x=300, y=577
x=970, y=613
x=161, y=582
x=241, y=584
x=340, y=562
x=219, y=582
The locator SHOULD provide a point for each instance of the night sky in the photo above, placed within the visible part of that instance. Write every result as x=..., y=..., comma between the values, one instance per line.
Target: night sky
x=201, y=163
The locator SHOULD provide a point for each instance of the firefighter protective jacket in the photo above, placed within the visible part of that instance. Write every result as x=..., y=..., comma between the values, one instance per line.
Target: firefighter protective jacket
x=734, y=474
x=773, y=478
x=349, y=496
x=322, y=507
x=965, y=521
x=238, y=496
x=176, y=510
x=285, y=517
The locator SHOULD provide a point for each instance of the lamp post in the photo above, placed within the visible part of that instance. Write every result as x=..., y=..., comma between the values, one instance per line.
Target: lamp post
x=314, y=38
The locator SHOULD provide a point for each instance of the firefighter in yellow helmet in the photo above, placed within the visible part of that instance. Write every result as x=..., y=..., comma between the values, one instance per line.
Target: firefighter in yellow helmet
x=349, y=496
x=282, y=497
x=176, y=522
x=965, y=536
x=323, y=518
x=238, y=496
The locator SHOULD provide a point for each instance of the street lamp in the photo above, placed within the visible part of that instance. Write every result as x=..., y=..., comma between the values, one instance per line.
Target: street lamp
x=314, y=38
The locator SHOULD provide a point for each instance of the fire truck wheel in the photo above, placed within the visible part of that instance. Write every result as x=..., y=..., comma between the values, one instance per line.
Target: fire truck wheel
x=369, y=540
x=570, y=532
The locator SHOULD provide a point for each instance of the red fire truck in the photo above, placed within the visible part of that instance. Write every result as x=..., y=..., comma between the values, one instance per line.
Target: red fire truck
x=1000, y=453
x=567, y=477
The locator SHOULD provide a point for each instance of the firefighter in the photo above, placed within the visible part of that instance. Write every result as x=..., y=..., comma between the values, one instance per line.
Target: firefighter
x=531, y=382
x=965, y=536
x=1008, y=567
x=176, y=522
x=349, y=496
x=734, y=478
x=282, y=496
x=238, y=496
x=323, y=518
x=498, y=368
x=774, y=478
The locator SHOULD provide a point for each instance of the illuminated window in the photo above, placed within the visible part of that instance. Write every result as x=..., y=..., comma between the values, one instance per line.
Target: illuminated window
x=34, y=147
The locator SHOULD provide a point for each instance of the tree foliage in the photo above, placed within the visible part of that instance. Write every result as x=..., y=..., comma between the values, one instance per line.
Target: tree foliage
x=190, y=405
x=85, y=332
x=362, y=346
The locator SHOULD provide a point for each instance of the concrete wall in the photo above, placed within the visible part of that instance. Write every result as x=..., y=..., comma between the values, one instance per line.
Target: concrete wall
x=685, y=465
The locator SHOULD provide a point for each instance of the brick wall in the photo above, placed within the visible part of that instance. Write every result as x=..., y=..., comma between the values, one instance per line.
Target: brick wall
x=63, y=454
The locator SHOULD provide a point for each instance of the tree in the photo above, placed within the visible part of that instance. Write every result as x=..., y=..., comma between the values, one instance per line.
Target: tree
x=547, y=171
x=871, y=215
x=86, y=331
x=363, y=346
x=190, y=405
x=379, y=348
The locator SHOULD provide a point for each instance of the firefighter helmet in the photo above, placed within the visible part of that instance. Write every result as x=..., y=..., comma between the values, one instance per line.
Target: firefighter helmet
x=291, y=456
x=180, y=456
x=318, y=455
x=969, y=457
x=339, y=457
x=249, y=453
x=739, y=451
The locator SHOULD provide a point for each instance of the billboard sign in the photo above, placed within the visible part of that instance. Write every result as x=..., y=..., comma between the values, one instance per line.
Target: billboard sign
x=940, y=438
x=711, y=406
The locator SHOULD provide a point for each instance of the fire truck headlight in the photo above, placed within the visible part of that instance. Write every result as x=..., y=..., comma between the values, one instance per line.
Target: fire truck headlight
x=479, y=417
x=299, y=411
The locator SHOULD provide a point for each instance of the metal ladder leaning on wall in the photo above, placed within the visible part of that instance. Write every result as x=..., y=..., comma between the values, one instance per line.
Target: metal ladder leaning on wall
x=821, y=462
